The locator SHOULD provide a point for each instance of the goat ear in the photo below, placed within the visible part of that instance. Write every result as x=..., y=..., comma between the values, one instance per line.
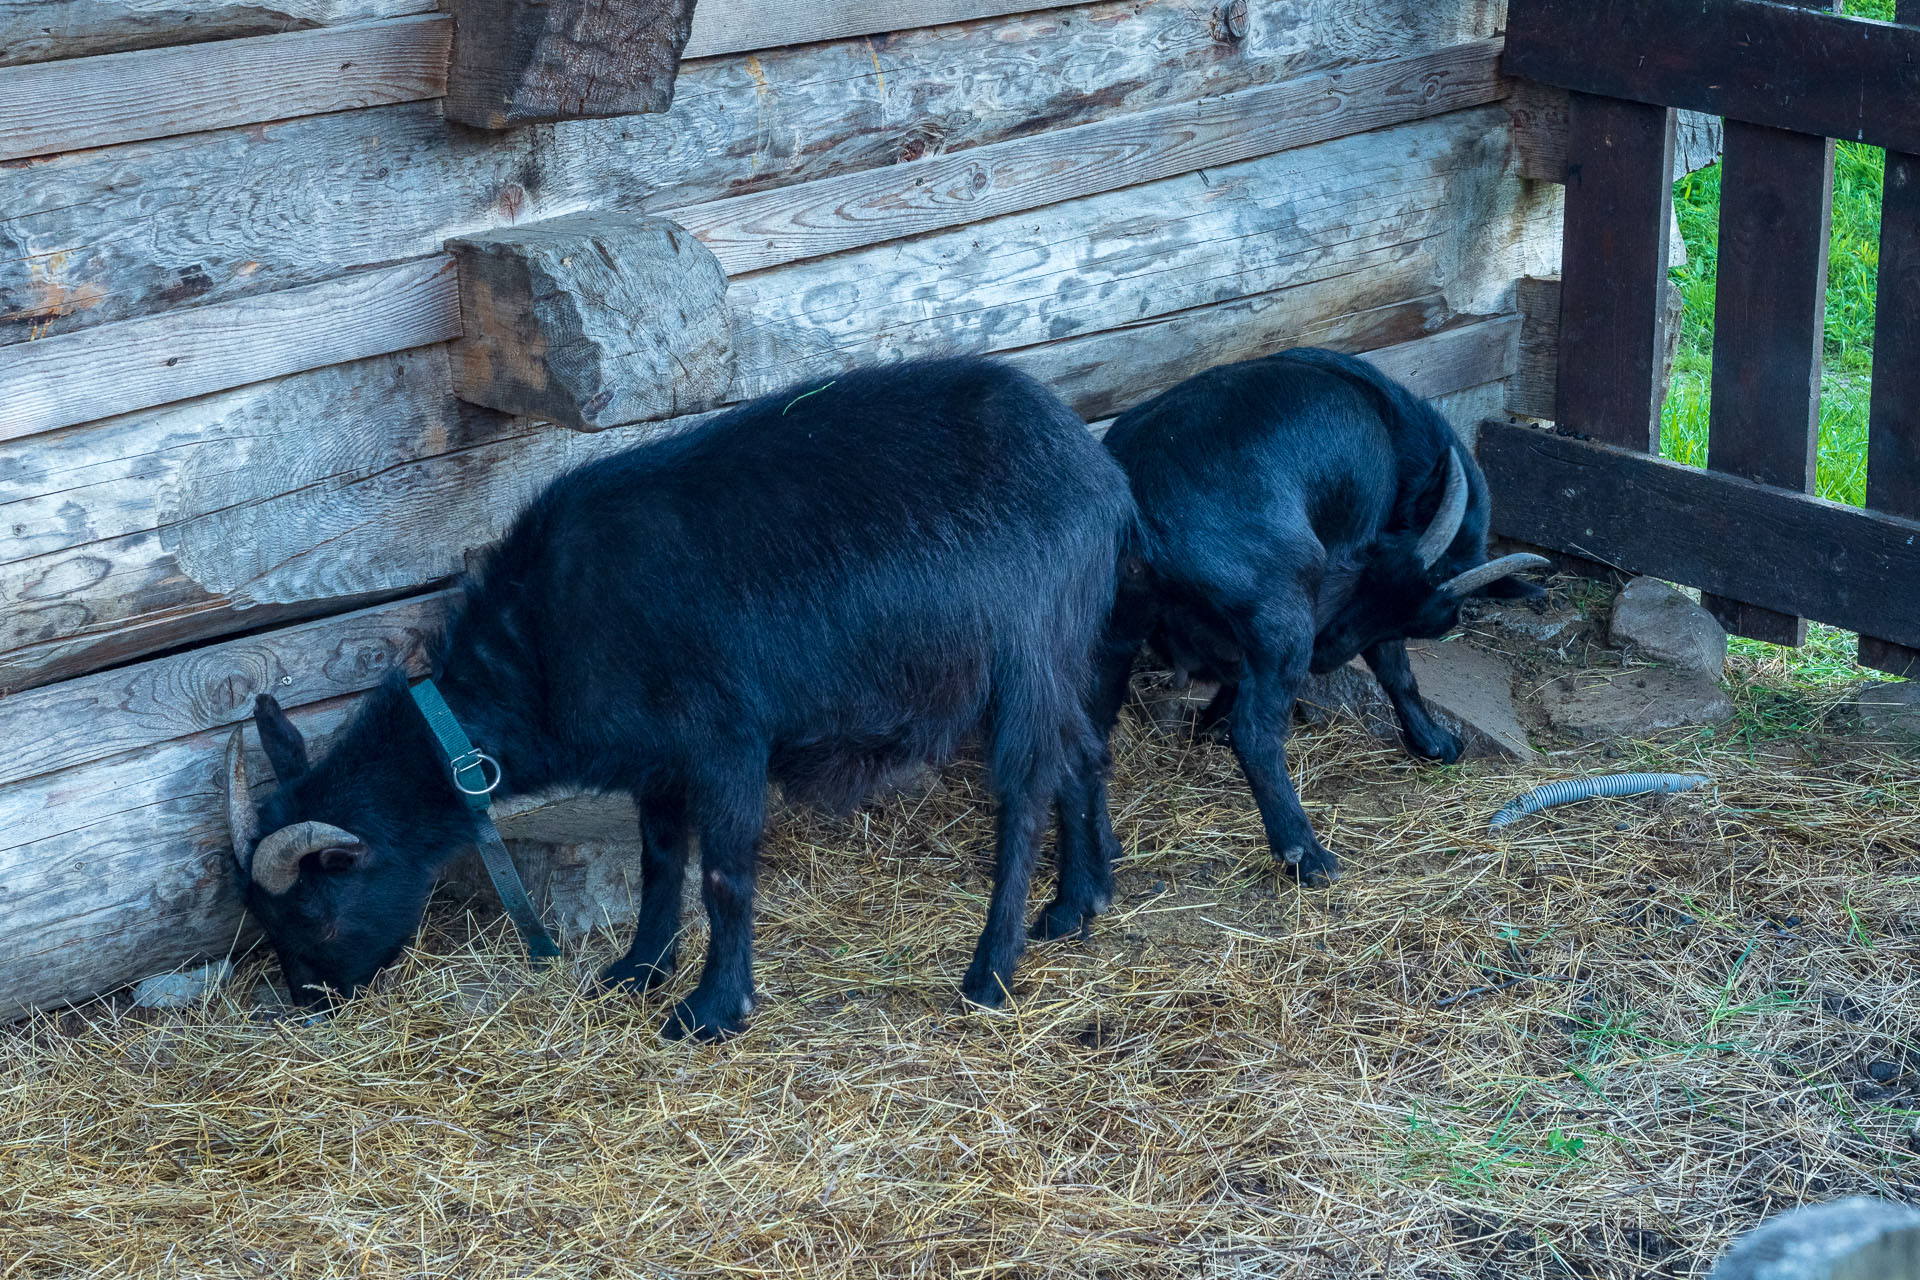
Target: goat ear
x=344, y=857
x=286, y=749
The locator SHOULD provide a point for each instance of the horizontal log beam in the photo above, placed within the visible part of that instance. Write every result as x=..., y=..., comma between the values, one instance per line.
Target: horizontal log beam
x=753, y=232
x=157, y=93
x=95, y=236
x=36, y=31
x=1785, y=551
x=116, y=368
x=1771, y=64
x=130, y=708
x=135, y=364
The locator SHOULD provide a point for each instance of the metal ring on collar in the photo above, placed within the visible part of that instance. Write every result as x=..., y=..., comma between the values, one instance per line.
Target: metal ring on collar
x=476, y=760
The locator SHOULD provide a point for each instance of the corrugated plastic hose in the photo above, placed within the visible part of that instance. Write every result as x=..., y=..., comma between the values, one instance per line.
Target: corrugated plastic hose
x=1612, y=784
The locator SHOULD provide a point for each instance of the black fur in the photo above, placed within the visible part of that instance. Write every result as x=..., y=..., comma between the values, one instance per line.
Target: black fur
x=1281, y=501
x=818, y=587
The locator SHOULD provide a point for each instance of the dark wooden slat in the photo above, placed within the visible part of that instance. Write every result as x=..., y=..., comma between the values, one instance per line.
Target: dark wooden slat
x=1776, y=191
x=1764, y=63
x=1613, y=268
x=1893, y=431
x=1786, y=551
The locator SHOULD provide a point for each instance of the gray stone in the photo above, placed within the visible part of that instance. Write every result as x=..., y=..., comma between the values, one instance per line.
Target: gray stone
x=1890, y=708
x=1469, y=690
x=1634, y=703
x=178, y=990
x=1659, y=622
x=1858, y=1238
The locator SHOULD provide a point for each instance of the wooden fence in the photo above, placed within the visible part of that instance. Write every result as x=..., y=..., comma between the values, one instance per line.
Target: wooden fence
x=1788, y=79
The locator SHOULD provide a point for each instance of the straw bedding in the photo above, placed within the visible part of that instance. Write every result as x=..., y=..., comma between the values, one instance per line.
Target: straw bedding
x=1598, y=1043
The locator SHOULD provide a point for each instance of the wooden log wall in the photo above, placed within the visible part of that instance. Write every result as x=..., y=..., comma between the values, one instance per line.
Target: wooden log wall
x=226, y=406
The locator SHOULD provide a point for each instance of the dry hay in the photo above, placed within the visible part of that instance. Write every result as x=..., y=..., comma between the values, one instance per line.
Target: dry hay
x=1597, y=1044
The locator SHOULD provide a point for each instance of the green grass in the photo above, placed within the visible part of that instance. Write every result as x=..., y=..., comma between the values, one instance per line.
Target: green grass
x=1853, y=262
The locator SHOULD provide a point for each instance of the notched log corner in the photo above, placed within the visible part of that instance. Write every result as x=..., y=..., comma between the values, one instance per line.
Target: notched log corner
x=592, y=321
x=521, y=62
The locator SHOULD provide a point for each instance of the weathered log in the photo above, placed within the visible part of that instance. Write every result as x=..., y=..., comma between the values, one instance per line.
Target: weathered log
x=110, y=369
x=93, y=236
x=133, y=364
x=592, y=321
x=519, y=62
x=144, y=531
x=46, y=30
x=114, y=861
x=1540, y=134
x=156, y=93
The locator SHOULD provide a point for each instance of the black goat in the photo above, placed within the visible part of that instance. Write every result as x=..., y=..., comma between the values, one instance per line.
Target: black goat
x=1296, y=510
x=819, y=587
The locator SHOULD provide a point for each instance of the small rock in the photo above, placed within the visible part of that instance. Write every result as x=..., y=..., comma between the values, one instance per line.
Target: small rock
x=1469, y=690
x=1634, y=703
x=1857, y=1236
x=178, y=990
x=1890, y=708
x=1663, y=624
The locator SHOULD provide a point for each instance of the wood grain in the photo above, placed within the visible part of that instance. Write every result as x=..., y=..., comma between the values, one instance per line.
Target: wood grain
x=1893, y=421
x=156, y=93
x=1790, y=552
x=1613, y=270
x=1540, y=134
x=1776, y=192
x=518, y=62
x=45, y=30
x=116, y=368
x=159, y=527
x=749, y=233
x=95, y=236
x=736, y=26
x=113, y=712
x=1753, y=60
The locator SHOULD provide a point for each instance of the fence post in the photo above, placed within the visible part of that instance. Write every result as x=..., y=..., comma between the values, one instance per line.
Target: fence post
x=1776, y=197
x=1893, y=421
x=1613, y=269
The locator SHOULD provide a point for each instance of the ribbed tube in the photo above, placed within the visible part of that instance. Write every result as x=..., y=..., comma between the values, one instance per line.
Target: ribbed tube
x=1612, y=784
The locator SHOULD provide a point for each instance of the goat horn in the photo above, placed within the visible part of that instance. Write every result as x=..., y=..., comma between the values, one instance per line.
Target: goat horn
x=242, y=822
x=1446, y=521
x=276, y=863
x=1472, y=580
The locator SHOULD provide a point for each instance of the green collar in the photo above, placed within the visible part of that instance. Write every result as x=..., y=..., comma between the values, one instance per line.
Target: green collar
x=469, y=767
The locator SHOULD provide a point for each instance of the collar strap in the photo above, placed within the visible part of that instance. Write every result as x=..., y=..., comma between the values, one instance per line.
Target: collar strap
x=476, y=775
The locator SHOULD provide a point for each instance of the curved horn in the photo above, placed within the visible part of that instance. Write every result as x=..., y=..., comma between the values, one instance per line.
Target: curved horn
x=1492, y=571
x=242, y=822
x=276, y=863
x=1446, y=521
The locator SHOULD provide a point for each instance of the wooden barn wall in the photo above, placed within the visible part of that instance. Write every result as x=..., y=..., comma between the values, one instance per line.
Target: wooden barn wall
x=1111, y=195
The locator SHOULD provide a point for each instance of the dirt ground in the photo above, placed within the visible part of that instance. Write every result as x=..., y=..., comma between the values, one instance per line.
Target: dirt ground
x=1597, y=1043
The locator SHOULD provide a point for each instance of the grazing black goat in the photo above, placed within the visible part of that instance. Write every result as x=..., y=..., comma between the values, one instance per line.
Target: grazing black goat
x=821, y=587
x=1296, y=510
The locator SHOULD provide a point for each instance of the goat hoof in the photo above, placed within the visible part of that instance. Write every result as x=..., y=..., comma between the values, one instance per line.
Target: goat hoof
x=984, y=990
x=1312, y=864
x=634, y=978
x=1443, y=747
x=1060, y=920
x=697, y=1019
